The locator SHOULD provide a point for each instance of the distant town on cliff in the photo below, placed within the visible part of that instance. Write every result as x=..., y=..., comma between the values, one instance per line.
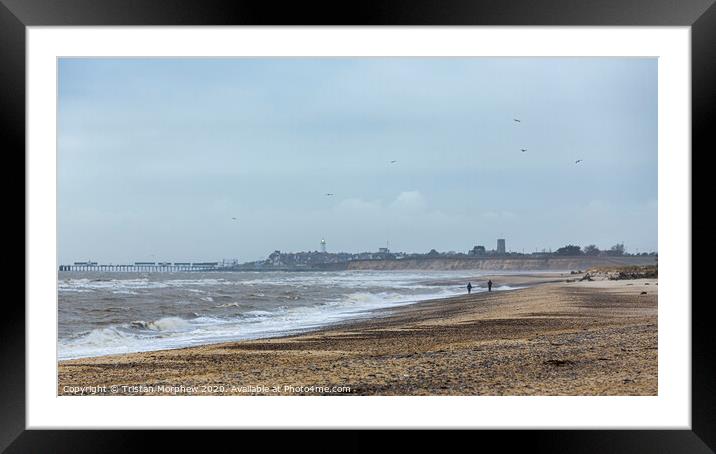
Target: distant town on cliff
x=324, y=260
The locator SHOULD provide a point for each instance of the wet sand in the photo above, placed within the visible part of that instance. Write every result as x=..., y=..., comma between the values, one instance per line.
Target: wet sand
x=554, y=338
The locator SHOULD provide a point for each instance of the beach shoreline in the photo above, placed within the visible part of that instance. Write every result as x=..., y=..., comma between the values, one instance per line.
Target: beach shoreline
x=357, y=310
x=556, y=336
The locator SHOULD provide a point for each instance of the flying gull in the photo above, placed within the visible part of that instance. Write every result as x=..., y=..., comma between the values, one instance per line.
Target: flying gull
x=577, y=161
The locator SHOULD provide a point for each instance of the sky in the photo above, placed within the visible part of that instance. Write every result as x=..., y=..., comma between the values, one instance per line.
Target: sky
x=157, y=156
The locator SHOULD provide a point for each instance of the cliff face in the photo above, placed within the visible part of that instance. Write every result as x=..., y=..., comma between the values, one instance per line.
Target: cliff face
x=500, y=264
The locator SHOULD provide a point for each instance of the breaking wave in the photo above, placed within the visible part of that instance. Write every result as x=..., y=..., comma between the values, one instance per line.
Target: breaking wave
x=173, y=313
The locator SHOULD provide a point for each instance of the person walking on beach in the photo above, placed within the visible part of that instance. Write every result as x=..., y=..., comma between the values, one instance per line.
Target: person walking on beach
x=489, y=286
x=469, y=288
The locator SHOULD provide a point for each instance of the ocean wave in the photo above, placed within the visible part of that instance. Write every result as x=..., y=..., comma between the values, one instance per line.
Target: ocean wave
x=100, y=337
x=258, y=313
x=234, y=304
x=282, y=304
x=169, y=324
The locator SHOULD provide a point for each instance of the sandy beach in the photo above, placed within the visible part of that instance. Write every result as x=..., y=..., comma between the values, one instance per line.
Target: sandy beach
x=559, y=336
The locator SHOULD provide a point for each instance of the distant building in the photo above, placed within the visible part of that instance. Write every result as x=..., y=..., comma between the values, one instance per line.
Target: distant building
x=274, y=258
x=383, y=250
x=478, y=250
x=501, y=250
x=323, y=245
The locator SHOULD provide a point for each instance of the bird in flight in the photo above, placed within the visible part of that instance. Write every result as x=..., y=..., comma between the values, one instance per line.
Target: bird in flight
x=577, y=161
x=233, y=219
x=328, y=194
x=518, y=121
x=523, y=149
x=393, y=161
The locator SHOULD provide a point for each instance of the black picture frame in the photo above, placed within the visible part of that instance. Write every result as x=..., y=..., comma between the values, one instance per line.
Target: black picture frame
x=16, y=15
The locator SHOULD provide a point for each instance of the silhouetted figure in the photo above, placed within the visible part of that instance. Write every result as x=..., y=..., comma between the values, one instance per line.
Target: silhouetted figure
x=469, y=288
x=489, y=286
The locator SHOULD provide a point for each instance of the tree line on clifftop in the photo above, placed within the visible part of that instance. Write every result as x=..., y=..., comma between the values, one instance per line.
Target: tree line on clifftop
x=617, y=250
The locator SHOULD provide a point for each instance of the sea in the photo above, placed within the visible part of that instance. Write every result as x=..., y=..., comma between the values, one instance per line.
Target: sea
x=113, y=313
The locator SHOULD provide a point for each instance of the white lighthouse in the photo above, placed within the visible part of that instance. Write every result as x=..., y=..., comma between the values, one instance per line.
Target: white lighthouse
x=323, y=245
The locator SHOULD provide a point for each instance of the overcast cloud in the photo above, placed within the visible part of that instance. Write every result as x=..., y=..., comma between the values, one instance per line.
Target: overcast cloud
x=156, y=156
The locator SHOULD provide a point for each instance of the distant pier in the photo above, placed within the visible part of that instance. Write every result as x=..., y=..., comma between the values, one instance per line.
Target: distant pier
x=144, y=267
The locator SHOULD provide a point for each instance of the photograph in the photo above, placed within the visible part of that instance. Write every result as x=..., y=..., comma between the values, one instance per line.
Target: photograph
x=357, y=226
x=442, y=217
